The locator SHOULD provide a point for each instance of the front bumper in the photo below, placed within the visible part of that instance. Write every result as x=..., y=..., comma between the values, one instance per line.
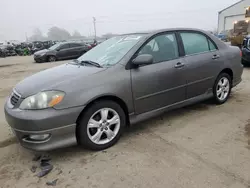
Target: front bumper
x=40, y=59
x=60, y=125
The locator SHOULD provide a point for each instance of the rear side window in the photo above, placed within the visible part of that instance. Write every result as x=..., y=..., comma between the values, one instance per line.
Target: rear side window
x=194, y=43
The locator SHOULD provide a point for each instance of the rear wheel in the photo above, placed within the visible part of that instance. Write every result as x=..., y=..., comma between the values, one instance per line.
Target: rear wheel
x=222, y=88
x=101, y=125
x=51, y=58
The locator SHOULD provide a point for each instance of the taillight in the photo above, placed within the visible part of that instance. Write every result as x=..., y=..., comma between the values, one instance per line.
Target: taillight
x=240, y=53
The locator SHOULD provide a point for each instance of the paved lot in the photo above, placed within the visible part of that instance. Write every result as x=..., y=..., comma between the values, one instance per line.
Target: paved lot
x=203, y=145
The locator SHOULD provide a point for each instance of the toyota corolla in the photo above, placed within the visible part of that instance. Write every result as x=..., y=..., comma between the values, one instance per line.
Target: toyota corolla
x=125, y=79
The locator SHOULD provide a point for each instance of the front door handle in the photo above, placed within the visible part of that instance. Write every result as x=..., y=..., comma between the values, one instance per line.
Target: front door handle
x=179, y=65
x=215, y=56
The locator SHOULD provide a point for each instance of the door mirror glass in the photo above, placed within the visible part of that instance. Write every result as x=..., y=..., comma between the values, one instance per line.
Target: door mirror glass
x=144, y=59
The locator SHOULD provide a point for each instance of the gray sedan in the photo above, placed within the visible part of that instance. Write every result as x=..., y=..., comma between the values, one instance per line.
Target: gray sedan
x=123, y=80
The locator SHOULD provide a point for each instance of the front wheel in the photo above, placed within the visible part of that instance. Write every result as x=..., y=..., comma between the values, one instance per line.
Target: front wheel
x=101, y=125
x=222, y=88
x=51, y=58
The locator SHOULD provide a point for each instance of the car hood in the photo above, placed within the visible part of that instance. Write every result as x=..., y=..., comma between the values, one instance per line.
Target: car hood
x=41, y=52
x=50, y=79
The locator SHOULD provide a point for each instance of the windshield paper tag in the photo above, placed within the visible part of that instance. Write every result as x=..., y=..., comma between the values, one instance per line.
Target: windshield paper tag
x=132, y=38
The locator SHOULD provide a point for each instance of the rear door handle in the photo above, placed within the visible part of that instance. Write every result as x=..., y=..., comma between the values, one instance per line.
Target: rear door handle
x=215, y=56
x=179, y=65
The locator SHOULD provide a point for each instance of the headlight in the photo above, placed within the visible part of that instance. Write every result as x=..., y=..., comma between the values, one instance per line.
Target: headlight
x=42, y=100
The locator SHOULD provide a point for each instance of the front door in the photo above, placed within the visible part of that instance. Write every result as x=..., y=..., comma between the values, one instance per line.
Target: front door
x=162, y=83
x=63, y=52
x=202, y=63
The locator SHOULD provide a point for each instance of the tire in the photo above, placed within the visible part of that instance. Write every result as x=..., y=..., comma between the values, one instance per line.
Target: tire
x=51, y=58
x=223, y=84
x=88, y=137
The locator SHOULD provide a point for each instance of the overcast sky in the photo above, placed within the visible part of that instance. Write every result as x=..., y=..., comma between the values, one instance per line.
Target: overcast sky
x=18, y=17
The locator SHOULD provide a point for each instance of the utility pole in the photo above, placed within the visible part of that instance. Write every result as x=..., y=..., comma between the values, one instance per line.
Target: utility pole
x=94, y=23
x=26, y=37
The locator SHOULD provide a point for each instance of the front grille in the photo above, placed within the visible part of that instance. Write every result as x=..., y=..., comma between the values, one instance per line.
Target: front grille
x=14, y=98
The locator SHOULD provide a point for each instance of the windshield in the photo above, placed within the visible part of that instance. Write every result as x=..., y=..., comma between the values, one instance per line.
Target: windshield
x=54, y=47
x=112, y=50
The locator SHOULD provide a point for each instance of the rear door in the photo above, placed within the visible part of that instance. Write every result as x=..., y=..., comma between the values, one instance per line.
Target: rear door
x=203, y=61
x=75, y=50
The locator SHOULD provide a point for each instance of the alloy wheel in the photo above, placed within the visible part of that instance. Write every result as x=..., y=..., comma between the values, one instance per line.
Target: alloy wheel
x=52, y=59
x=223, y=88
x=103, y=126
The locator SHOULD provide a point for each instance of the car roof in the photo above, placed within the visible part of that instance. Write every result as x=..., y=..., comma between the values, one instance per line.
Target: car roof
x=219, y=44
x=70, y=42
x=152, y=32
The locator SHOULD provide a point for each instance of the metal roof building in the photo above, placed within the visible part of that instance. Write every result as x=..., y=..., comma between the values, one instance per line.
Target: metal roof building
x=228, y=16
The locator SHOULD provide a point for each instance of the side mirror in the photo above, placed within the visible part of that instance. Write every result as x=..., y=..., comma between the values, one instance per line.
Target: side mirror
x=144, y=59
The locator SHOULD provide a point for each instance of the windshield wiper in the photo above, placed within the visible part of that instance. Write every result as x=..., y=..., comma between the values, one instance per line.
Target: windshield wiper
x=87, y=62
x=92, y=63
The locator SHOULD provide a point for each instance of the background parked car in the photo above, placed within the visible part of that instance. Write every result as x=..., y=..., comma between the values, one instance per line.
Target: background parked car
x=61, y=51
x=8, y=50
x=2, y=52
x=246, y=51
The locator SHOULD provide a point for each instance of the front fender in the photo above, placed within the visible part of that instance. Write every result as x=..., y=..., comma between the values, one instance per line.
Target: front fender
x=115, y=84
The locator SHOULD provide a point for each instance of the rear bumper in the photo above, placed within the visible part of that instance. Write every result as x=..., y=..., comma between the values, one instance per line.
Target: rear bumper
x=60, y=125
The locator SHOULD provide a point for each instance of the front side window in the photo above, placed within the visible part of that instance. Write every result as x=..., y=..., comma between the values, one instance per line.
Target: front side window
x=162, y=48
x=194, y=43
x=64, y=46
x=54, y=47
x=73, y=45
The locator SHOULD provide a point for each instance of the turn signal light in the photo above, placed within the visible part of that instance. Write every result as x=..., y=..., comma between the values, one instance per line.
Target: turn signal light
x=55, y=100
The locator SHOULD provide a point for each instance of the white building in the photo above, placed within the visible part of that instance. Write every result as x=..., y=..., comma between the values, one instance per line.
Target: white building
x=228, y=16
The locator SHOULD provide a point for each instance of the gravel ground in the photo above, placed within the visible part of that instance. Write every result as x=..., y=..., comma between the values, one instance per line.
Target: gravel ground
x=203, y=145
